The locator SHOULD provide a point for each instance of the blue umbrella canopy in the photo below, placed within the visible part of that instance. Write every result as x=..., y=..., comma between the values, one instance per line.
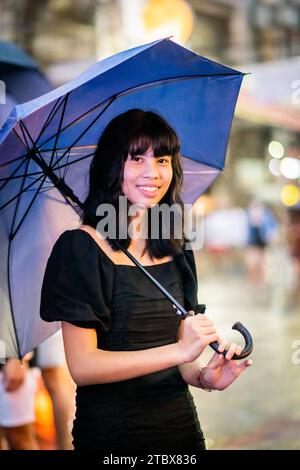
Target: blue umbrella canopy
x=61, y=129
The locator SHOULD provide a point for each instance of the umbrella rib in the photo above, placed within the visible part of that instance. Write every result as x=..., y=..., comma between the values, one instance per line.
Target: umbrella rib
x=59, y=128
x=8, y=270
x=12, y=161
x=51, y=115
x=34, y=148
x=6, y=180
x=44, y=164
x=81, y=117
x=74, y=122
x=48, y=120
x=29, y=175
x=74, y=161
x=21, y=192
x=13, y=234
x=66, y=167
x=26, y=145
x=19, y=198
x=10, y=299
x=171, y=79
x=86, y=129
x=44, y=190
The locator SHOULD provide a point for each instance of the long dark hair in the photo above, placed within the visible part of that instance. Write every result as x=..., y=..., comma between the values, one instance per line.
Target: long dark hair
x=134, y=132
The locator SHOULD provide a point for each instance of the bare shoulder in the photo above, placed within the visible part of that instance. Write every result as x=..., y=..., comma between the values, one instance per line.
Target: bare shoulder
x=116, y=257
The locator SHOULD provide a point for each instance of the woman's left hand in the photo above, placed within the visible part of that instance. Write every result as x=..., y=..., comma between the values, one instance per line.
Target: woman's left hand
x=223, y=371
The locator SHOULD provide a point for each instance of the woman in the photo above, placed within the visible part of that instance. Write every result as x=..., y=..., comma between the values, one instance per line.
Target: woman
x=128, y=352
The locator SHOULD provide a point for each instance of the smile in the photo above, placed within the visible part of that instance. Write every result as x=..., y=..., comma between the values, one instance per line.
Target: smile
x=149, y=190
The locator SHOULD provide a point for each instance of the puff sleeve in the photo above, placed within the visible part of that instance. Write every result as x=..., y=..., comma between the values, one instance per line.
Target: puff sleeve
x=77, y=285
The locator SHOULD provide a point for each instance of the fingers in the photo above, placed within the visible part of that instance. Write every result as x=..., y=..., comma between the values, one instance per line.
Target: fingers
x=222, y=346
x=244, y=365
x=233, y=349
x=201, y=323
x=212, y=338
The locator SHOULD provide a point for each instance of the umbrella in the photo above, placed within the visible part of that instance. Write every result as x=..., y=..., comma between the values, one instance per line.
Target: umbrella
x=46, y=146
x=22, y=77
x=23, y=82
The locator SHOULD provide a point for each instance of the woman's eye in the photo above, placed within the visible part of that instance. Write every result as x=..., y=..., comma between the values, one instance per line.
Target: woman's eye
x=135, y=158
x=163, y=161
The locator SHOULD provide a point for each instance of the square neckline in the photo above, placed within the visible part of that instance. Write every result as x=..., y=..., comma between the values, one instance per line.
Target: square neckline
x=126, y=265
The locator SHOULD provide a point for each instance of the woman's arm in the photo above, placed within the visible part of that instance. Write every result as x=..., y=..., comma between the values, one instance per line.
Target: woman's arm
x=189, y=372
x=89, y=365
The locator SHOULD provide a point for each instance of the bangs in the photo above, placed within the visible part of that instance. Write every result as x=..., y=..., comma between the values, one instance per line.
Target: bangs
x=162, y=143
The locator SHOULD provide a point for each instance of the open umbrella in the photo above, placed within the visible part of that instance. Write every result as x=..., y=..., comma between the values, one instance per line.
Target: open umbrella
x=22, y=78
x=23, y=82
x=46, y=146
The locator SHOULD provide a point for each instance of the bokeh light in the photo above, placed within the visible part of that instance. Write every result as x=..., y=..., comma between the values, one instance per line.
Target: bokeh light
x=163, y=18
x=290, y=195
x=276, y=149
x=274, y=167
x=290, y=168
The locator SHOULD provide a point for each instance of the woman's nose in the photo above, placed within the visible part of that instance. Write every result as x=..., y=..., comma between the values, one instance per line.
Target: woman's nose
x=151, y=169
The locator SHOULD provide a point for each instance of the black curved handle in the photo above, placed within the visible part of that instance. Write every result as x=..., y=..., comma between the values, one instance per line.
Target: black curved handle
x=238, y=327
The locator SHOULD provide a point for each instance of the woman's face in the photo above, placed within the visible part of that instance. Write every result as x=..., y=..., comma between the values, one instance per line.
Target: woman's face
x=147, y=178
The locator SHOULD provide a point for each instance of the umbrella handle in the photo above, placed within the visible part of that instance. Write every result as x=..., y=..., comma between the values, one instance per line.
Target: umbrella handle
x=238, y=327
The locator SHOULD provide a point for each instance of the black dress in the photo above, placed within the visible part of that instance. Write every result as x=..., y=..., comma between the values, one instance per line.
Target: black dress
x=155, y=412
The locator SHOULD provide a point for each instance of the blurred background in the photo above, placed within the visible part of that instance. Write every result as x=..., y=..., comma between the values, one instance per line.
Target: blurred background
x=249, y=267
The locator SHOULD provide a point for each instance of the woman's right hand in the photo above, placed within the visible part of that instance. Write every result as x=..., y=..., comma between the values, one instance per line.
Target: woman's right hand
x=194, y=334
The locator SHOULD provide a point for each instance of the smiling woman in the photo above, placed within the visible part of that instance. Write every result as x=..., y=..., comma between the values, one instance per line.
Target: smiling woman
x=137, y=157
x=130, y=355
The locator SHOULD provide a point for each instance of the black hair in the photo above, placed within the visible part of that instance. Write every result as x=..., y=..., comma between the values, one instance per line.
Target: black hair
x=134, y=132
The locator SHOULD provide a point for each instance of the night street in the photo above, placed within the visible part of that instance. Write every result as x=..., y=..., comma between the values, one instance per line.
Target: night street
x=262, y=409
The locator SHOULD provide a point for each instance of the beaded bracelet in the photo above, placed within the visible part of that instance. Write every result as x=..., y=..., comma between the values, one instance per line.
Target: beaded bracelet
x=199, y=376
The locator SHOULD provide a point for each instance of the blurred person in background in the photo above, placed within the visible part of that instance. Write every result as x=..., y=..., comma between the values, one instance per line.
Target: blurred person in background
x=293, y=239
x=18, y=385
x=262, y=229
x=50, y=358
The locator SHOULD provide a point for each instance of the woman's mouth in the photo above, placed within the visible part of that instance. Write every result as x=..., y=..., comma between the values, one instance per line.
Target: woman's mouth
x=149, y=191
